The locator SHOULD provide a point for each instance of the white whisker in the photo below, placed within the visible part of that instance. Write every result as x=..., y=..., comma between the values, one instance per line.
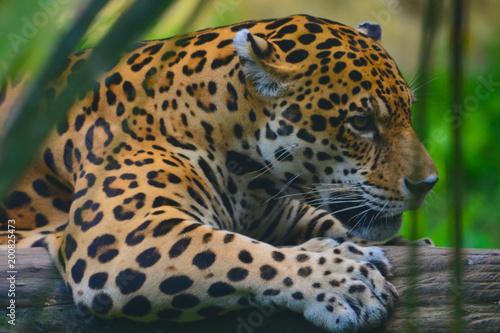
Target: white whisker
x=365, y=212
x=297, y=175
x=281, y=153
x=348, y=208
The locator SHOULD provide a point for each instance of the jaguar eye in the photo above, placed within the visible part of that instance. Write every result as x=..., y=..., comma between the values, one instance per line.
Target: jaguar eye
x=362, y=123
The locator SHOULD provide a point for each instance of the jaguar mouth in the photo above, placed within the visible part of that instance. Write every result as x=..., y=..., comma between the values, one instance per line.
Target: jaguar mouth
x=364, y=220
x=359, y=218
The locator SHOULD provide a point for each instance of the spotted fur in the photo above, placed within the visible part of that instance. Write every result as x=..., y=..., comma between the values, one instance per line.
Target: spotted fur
x=237, y=166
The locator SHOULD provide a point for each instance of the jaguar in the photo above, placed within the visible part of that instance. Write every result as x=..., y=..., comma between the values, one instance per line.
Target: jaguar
x=257, y=164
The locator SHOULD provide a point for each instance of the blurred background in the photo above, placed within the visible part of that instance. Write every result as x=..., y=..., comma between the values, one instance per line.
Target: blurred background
x=29, y=31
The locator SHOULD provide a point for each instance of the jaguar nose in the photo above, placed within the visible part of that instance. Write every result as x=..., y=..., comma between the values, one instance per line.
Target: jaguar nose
x=420, y=189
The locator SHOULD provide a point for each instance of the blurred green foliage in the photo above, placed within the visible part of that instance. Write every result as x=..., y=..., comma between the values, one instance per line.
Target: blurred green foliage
x=25, y=48
x=481, y=164
x=38, y=112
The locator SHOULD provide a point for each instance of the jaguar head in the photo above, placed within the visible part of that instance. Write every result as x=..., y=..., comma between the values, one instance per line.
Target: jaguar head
x=341, y=131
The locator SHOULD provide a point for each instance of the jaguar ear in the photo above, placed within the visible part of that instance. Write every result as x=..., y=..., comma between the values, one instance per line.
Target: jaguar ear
x=372, y=30
x=261, y=64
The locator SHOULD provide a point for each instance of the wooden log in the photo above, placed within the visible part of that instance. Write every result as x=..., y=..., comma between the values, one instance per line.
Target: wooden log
x=42, y=302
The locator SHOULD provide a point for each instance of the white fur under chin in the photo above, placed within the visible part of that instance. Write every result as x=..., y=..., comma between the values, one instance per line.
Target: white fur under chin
x=377, y=233
x=265, y=83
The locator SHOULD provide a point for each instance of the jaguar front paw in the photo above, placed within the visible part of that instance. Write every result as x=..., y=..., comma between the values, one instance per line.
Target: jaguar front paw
x=354, y=306
x=347, y=291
